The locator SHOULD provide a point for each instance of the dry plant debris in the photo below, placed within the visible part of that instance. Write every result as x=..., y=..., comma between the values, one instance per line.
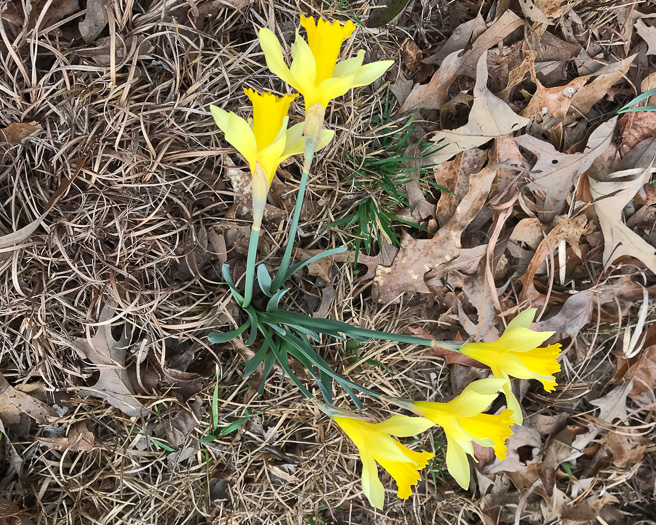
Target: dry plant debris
x=122, y=201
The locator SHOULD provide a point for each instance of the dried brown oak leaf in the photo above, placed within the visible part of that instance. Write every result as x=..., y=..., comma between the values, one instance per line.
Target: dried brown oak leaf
x=17, y=131
x=14, y=403
x=79, y=439
x=556, y=173
x=490, y=117
x=610, y=197
x=419, y=256
x=554, y=101
x=635, y=127
x=626, y=446
x=605, y=78
x=108, y=356
x=455, y=62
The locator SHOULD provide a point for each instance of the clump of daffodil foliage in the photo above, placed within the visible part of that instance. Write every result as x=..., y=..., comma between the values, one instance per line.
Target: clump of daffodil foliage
x=266, y=140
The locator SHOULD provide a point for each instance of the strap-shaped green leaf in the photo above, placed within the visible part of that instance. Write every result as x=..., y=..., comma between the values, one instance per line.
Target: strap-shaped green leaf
x=264, y=280
x=296, y=267
x=254, y=362
x=224, y=337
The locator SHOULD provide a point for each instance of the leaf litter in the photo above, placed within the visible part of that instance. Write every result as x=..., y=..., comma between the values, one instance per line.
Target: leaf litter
x=118, y=193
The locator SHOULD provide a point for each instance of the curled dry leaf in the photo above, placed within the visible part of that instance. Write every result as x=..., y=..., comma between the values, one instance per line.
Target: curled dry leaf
x=490, y=117
x=419, y=256
x=626, y=446
x=79, y=439
x=17, y=131
x=610, y=197
x=635, y=127
x=14, y=403
x=108, y=356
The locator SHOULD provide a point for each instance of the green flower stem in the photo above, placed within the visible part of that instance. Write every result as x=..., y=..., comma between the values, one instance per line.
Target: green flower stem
x=250, y=267
x=284, y=264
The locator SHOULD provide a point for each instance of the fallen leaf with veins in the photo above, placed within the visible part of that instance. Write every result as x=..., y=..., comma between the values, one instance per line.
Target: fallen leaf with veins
x=605, y=78
x=490, y=117
x=516, y=76
x=610, y=197
x=14, y=403
x=79, y=439
x=461, y=37
x=572, y=317
x=557, y=173
x=419, y=256
x=108, y=356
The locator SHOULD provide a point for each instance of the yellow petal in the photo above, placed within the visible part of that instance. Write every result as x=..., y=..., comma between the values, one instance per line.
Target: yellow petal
x=326, y=136
x=404, y=426
x=457, y=463
x=407, y=474
x=325, y=40
x=522, y=339
x=476, y=397
x=269, y=112
x=238, y=134
x=304, y=68
x=523, y=319
x=371, y=485
x=274, y=59
x=370, y=440
x=296, y=141
x=513, y=403
x=371, y=72
x=493, y=427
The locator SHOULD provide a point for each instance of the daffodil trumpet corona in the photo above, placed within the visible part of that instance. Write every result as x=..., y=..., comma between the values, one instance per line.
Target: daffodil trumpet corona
x=517, y=353
x=376, y=446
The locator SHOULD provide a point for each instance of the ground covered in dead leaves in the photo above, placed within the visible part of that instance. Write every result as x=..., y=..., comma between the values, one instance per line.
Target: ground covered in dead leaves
x=121, y=201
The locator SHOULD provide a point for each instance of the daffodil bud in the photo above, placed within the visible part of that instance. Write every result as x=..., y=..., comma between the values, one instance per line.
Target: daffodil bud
x=260, y=191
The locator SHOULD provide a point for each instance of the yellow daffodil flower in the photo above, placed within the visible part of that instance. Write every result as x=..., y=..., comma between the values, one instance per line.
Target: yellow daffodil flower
x=516, y=354
x=314, y=71
x=376, y=445
x=463, y=423
x=264, y=141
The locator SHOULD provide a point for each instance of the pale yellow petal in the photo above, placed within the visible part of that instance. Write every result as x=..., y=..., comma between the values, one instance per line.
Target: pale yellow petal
x=522, y=339
x=220, y=117
x=369, y=440
x=349, y=68
x=240, y=136
x=523, y=319
x=371, y=72
x=457, y=463
x=513, y=403
x=476, y=397
x=326, y=136
x=274, y=58
x=404, y=426
x=295, y=142
x=371, y=485
x=304, y=68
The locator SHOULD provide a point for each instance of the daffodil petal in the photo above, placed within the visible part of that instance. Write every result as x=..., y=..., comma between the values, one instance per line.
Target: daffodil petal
x=274, y=58
x=371, y=72
x=325, y=40
x=349, y=68
x=220, y=117
x=523, y=319
x=513, y=403
x=304, y=67
x=522, y=339
x=326, y=136
x=367, y=437
x=404, y=426
x=476, y=397
x=295, y=142
x=239, y=135
x=371, y=485
x=457, y=463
